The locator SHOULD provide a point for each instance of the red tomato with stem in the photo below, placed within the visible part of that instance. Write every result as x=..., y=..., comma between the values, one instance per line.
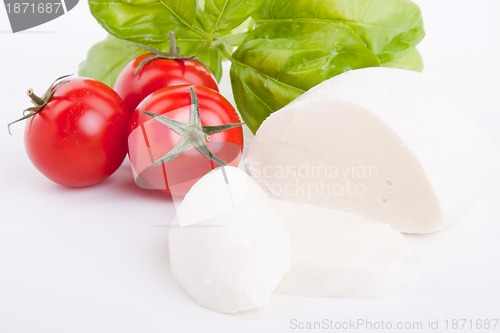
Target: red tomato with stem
x=155, y=70
x=76, y=135
x=178, y=134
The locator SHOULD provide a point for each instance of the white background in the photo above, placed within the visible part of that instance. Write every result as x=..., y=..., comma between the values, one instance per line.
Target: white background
x=95, y=260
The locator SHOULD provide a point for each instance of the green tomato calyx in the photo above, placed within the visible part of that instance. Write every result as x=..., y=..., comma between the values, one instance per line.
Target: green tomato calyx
x=172, y=54
x=192, y=134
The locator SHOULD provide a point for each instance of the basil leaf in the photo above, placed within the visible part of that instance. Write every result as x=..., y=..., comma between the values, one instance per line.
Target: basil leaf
x=207, y=53
x=106, y=59
x=234, y=38
x=280, y=60
x=144, y=21
x=225, y=15
x=388, y=27
x=411, y=61
x=258, y=95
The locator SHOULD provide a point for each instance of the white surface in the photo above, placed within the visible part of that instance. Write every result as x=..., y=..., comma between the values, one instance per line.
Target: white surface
x=95, y=260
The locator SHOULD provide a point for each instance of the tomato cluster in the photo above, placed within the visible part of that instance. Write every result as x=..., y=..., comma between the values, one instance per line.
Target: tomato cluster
x=165, y=111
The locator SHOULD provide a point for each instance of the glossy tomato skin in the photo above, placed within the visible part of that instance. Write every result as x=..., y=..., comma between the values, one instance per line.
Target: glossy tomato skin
x=80, y=137
x=157, y=74
x=149, y=140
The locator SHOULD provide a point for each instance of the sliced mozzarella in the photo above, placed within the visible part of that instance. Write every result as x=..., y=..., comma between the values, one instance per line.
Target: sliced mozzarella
x=343, y=255
x=388, y=144
x=233, y=259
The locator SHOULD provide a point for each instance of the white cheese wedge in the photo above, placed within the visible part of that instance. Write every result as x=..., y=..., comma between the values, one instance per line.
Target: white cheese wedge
x=339, y=254
x=387, y=144
x=230, y=250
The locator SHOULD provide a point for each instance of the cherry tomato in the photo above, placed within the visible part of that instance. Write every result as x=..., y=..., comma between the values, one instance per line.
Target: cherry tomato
x=134, y=85
x=170, y=149
x=79, y=137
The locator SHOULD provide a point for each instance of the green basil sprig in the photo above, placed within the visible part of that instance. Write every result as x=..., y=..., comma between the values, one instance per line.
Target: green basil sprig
x=284, y=49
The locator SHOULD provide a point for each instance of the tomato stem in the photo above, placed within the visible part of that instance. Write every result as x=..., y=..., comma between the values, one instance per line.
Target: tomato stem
x=34, y=98
x=174, y=50
x=40, y=102
x=173, y=53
